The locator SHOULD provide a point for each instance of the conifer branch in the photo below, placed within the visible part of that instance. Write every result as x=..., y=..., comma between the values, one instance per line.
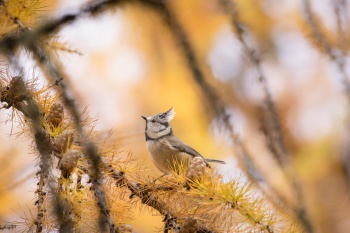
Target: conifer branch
x=54, y=72
x=89, y=147
x=17, y=96
x=31, y=38
x=336, y=57
x=273, y=132
x=341, y=13
x=339, y=58
x=255, y=217
x=271, y=122
x=144, y=193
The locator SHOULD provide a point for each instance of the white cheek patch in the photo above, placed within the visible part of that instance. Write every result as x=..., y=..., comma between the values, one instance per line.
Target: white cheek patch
x=160, y=127
x=155, y=127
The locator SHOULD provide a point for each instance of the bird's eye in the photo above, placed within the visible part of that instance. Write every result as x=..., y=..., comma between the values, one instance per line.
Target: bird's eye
x=153, y=121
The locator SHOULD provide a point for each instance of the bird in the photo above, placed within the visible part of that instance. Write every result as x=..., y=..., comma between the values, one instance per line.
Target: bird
x=165, y=149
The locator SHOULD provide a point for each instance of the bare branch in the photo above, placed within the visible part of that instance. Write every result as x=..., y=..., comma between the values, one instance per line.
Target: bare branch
x=336, y=57
x=272, y=123
x=31, y=37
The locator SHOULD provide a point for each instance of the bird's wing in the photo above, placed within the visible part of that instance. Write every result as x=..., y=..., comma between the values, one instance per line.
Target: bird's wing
x=181, y=146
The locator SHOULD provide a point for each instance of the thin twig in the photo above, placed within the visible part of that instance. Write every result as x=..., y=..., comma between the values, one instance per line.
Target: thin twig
x=336, y=57
x=340, y=10
x=31, y=37
x=274, y=132
x=8, y=227
x=339, y=58
x=273, y=126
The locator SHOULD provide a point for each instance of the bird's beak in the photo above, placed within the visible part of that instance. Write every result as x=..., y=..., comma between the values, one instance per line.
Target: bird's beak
x=145, y=118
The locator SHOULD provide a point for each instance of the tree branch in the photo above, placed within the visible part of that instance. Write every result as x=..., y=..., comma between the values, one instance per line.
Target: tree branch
x=147, y=198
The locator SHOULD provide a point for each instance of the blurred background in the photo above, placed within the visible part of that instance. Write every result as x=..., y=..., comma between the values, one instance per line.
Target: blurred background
x=125, y=63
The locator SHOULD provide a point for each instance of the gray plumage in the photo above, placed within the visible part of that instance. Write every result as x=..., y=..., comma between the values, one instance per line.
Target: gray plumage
x=164, y=148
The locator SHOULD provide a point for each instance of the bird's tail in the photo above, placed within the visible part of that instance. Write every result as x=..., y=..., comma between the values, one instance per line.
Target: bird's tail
x=215, y=161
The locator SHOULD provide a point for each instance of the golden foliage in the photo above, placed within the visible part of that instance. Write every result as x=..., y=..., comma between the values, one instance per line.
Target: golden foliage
x=94, y=179
x=14, y=15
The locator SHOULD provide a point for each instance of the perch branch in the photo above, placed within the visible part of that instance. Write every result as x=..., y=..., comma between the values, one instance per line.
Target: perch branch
x=147, y=198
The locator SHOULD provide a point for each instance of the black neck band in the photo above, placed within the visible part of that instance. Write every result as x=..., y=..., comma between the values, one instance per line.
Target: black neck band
x=148, y=138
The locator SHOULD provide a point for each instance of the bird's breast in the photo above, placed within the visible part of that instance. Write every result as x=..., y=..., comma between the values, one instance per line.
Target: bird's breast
x=163, y=155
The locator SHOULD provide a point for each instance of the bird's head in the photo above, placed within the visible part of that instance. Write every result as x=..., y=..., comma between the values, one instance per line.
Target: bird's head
x=160, y=121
